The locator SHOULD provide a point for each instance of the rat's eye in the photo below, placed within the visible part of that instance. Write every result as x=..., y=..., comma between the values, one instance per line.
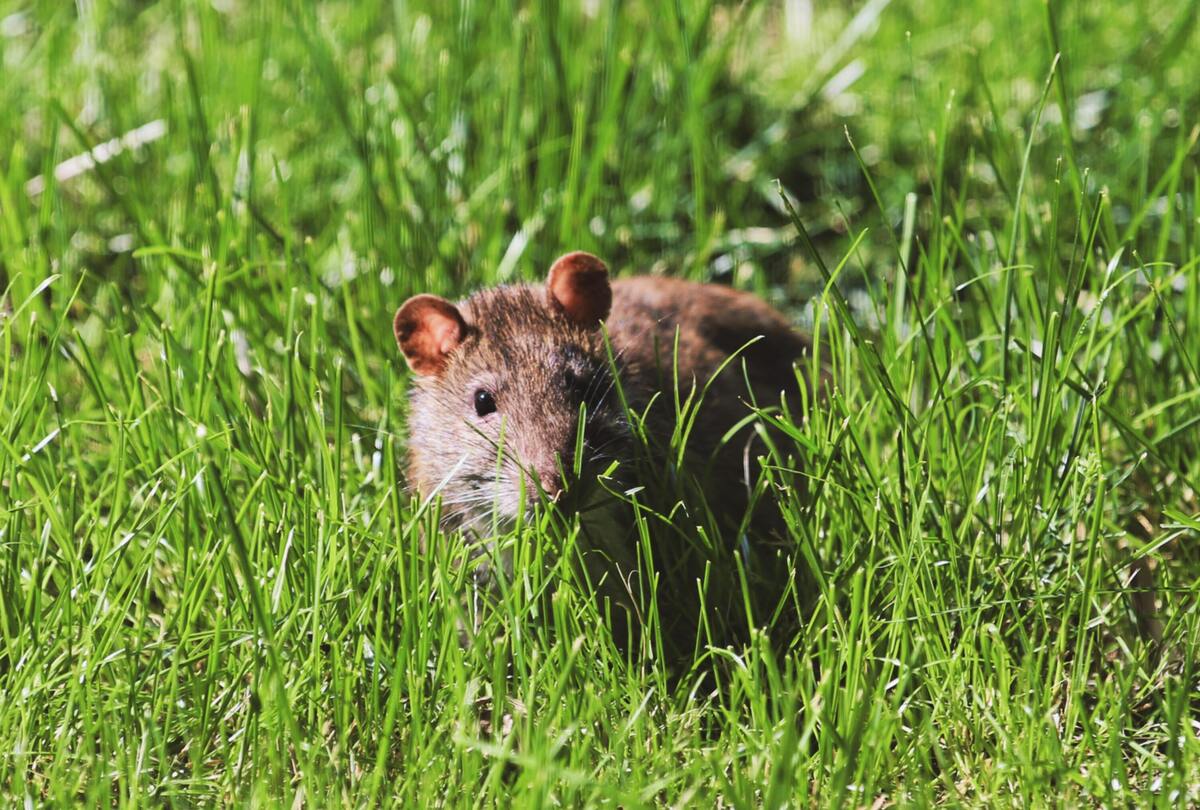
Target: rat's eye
x=485, y=403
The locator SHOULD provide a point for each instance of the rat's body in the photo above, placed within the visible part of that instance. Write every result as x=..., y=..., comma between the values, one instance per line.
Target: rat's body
x=515, y=367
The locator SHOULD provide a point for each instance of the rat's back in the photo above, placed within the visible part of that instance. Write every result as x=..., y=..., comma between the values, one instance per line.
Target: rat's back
x=713, y=322
x=670, y=331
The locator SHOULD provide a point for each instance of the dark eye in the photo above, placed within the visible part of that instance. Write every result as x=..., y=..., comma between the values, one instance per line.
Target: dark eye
x=485, y=403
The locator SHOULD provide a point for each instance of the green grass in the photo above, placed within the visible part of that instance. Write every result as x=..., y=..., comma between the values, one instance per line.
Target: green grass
x=211, y=583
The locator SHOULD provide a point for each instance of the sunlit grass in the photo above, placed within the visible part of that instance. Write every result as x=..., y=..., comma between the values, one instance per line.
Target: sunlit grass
x=212, y=581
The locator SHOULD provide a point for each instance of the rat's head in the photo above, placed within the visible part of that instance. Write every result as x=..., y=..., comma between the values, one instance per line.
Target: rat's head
x=506, y=382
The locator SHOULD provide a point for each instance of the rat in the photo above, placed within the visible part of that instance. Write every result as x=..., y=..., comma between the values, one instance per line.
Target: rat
x=522, y=395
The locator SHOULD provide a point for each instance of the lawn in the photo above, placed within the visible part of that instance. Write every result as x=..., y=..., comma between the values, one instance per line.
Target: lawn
x=213, y=585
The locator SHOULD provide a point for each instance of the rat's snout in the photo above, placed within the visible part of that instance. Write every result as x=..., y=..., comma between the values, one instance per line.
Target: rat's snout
x=546, y=475
x=548, y=452
x=551, y=481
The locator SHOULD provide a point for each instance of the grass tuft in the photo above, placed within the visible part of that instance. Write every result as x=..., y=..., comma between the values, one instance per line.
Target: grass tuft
x=212, y=582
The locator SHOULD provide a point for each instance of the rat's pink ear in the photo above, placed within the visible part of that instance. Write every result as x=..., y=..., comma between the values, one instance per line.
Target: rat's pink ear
x=578, y=285
x=427, y=329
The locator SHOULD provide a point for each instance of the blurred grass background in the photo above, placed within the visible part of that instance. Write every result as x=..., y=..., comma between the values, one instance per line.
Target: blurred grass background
x=210, y=588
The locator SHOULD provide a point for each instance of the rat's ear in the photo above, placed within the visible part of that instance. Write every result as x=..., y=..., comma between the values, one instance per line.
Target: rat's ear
x=578, y=286
x=427, y=329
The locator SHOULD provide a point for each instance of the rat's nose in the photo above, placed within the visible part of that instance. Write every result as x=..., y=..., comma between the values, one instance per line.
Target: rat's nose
x=551, y=482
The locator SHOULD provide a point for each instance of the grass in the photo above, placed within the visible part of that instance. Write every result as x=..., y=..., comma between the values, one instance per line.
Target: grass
x=211, y=586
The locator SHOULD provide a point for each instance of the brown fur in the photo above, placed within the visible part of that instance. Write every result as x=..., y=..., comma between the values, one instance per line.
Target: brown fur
x=539, y=352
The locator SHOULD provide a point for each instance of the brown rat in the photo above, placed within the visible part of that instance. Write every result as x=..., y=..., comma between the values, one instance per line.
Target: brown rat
x=515, y=367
